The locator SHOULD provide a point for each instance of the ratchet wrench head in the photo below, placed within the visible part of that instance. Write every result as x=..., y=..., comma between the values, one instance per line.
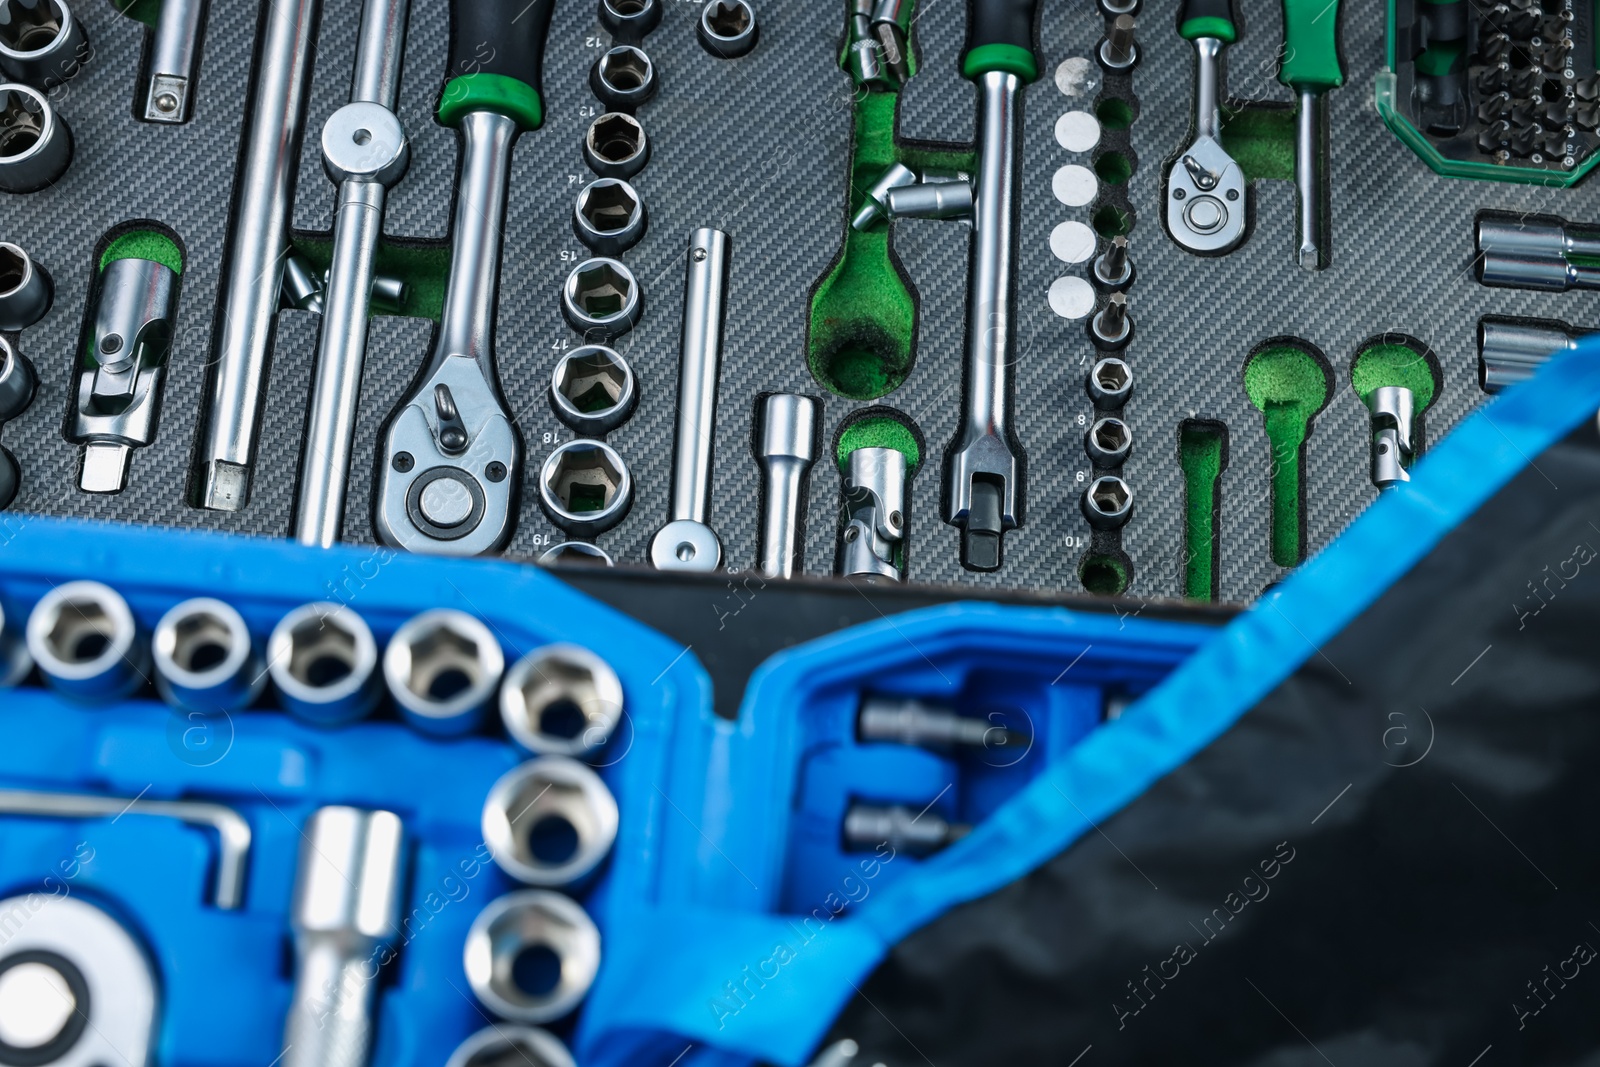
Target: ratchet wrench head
x=1206, y=199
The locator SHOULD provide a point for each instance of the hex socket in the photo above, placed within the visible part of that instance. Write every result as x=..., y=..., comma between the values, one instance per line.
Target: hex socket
x=442, y=667
x=18, y=382
x=1110, y=383
x=616, y=146
x=41, y=42
x=584, y=487
x=629, y=20
x=26, y=292
x=609, y=216
x=549, y=822
x=601, y=299
x=505, y=1045
x=527, y=921
x=204, y=658
x=561, y=700
x=324, y=663
x=86, y=642
x=592, y=389
x=623, y=78
x=1107, y=503
x=35, y=142
x=727, y=28
x=1108, y=442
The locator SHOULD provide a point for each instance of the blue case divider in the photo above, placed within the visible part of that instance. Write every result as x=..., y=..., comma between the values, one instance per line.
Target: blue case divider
x=695, y=968
x=225, y=976
x=730, y=830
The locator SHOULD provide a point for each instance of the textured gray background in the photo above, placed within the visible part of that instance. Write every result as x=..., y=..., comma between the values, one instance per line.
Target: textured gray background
x=758, y=147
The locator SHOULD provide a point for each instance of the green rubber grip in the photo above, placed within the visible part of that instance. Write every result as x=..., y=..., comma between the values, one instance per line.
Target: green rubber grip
x=1000, y=35
x=496, y=59
x=1207, y=18
x=1311, y=45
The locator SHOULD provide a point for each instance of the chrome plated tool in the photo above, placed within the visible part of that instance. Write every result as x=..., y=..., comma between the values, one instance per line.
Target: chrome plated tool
x=364, y=152
x=787, y=448
x=451, y=460
x=1205, y=186
x=174, y=55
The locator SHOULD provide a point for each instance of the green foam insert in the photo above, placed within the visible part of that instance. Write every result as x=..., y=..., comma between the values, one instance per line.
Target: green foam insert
x=1289, y=385
x=1113, y=168
x=144, y=244
x=879, y=431
x=1385, y=363
x=1111, y=221
x=1114, y=113
x=863, y=315
x=425, y=268
x=1261, y=141
x=1104, y=574
x=1202, y=454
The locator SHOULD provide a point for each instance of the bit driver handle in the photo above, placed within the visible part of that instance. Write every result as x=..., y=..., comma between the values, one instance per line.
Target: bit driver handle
x=497, y=60
x=1000, y=36
x=1207, y=18
x=1311, y=45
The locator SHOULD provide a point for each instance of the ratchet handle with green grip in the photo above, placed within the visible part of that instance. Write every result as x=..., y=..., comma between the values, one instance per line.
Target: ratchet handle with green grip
x=1207, y=18
x=496, y=60
x=1311, y=45
x=1000, y=36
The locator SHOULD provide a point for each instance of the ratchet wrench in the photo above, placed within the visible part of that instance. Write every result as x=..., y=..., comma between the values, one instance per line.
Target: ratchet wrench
x=451, y=459
x=1205, y=186
x=983, y=475
x=364, y=151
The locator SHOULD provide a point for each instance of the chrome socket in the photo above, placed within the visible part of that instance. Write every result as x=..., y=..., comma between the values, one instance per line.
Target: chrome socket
x=930, y=200
x=204, y=658
x=15, y=663
x=511, y=1046
x=549, y=822
x=601, y=299
x=443, y=668
x=576, y=554
x=525, y=922
x=41, y=42
x=615, y=146
x=1113, y=269
x=584, y=487
x=592, y=390
x=1108, y=442
x=629, y=20
x=1118, y=51
x=1111, y=327
x=324, y=663
x=1512, y=350
x=1110, y=383
x=26, y=292
x=561, y=700
x=18, y=382
x=609, y=217
x=1107, y=503
x=88, y=647
x=35, y=142
x=623, y=78
x=727, y=28
x=902, y=828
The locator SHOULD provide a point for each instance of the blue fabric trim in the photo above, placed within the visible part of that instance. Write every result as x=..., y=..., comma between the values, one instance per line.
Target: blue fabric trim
x=1196, y=704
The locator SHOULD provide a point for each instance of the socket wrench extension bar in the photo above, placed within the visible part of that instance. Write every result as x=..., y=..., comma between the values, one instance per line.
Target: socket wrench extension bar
x=174, y=51
x=364, y=152
x=686, y=542
x=252, y=267
x=1537, y=252
x=345, y=915
x=451, y=459
x=1511, y=350
x=233, y=832
x=983, y=490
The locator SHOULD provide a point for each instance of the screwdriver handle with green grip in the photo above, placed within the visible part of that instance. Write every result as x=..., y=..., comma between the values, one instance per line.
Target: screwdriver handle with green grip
x=1000, y=37
x=1311, y=46
x=496, y=60
x=1207, y=18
